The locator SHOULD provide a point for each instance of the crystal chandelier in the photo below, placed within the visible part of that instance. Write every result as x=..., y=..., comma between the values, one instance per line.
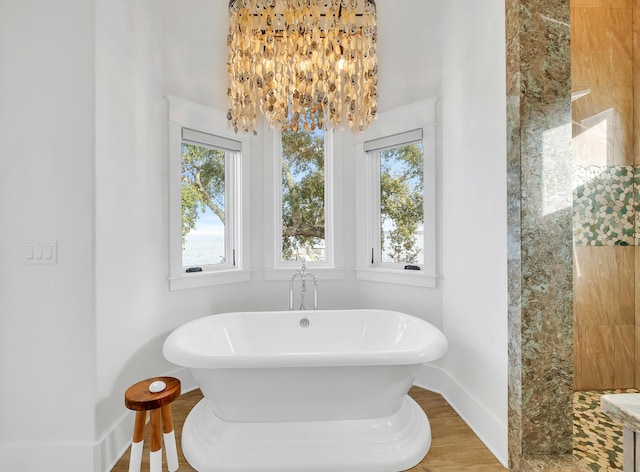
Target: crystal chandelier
x=305, y=64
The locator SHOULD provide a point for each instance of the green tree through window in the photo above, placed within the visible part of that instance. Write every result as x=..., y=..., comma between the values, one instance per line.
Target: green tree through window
x=402, y=204
x=303, y=197
x=203, y=190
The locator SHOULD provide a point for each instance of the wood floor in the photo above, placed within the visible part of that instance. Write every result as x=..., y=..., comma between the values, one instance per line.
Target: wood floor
x=454, y=446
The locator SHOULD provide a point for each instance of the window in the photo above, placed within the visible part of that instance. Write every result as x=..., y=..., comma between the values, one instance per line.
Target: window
x=302, y=194
x=208, y=241
x=302, y=182
x=206, y=198
x=396, y=198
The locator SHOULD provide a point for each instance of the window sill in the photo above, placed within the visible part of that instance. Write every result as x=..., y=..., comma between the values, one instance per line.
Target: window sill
x=208, y=279
x=412, y=278
x=284, y=273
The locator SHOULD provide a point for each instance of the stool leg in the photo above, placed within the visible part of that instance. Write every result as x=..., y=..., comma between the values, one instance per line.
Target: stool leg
x=135, y=460
x=169, y=439
x=155, y=458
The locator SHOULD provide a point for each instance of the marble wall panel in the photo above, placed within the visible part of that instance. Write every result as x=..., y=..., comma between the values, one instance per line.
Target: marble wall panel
x=593, y=126
x=590, y=3
x=604, y=357
x=603, y=120
x=592, y=47
x=624, y=356
x=637, y=293
x=636, y=53
x=621, y=46
x=604, y=285
x=636, y=89
x=594, y=357
x=601, y=3
x=623, y=285
x=636, y=78
x=637, y=352
x=514, y=225
x=621, y=3
x=603, y=76
x=623, y=153
x=636, y=204
x=636, y=117
x=546, y=337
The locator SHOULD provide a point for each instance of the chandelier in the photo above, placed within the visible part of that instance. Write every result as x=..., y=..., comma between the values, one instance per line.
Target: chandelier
x=306, y=64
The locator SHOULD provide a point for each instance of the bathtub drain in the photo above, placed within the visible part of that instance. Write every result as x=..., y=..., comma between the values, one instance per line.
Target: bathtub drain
x=304, y=322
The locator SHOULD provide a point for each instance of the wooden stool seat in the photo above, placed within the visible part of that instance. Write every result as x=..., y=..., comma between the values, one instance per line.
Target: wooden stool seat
x=139, y=398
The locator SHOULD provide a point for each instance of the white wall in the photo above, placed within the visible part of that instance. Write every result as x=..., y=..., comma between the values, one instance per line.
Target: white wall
x=131, y=236
x=47, y=322
x=409, y=63
x=409, y=51
x=474, y=227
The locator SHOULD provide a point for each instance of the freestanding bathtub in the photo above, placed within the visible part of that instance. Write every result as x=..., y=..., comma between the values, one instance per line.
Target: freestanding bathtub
x=305, y=391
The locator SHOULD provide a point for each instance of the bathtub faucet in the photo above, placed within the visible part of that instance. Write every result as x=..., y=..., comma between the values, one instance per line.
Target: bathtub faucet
x=303, y=275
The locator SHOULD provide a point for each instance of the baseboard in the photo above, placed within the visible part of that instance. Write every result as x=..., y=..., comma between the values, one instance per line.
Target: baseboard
x=49, y=456
x=491, y=430
x=115, y=443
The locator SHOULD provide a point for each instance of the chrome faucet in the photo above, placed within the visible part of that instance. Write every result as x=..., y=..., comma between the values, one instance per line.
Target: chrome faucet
x=303, y=275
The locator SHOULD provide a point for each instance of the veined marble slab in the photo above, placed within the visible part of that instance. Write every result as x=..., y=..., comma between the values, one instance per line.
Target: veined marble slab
x=623, y=408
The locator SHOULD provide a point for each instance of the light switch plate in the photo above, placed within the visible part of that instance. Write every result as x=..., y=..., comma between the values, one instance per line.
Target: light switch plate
x=41, y=252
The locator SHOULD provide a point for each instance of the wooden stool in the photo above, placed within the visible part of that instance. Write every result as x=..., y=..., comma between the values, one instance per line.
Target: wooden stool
x=144, y=396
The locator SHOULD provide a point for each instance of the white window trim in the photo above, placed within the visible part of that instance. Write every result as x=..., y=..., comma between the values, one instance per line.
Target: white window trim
x=275, y=268
x=185, y=114
x=420, y=115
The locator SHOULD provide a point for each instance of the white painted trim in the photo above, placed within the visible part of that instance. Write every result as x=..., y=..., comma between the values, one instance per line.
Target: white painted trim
x=418, y=116
x=185, y=114
x=323, y=273
x=207, y=279
x=411, y=278
x=490, y=430
x=271, y=210
x=334, y=212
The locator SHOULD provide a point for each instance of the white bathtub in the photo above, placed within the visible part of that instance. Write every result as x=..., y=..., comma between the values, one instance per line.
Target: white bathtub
x=283, y=395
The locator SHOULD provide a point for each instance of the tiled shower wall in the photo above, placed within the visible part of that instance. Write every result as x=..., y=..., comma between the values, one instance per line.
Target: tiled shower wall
x=605, y=47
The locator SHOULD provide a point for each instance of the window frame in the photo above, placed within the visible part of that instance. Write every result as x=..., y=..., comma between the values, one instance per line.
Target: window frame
x=374, y=151
x=204, y=122
x=275, y=267
x=387, y=132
